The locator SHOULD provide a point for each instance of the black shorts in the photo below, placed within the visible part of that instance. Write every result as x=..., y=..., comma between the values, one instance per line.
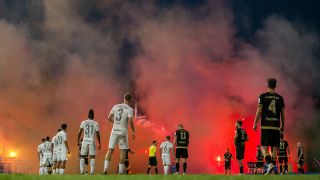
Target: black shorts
x=227, y=165
x=182, y=153
x=283, y=160
x=153, y=161
x=301, y=162
x=270, y=137
x=240, y=152
x=259, y=164
x=126, y=163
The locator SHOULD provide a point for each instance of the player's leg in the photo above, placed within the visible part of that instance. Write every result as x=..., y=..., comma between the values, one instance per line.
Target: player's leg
x=83, y=152
x=63, y=161
x=149, y=165
x=177, y=160
x=286, y=165
x=155, y=165
x=92, y=153
x=124, y=146
x=274, y=150
x=185, y=156
x=112, y=143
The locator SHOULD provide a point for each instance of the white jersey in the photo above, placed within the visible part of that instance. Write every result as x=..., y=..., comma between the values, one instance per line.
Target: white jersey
x=60, y=139
x=40, y=150
x=90, y=127
x=165, y=147
x=54, y=141
x=47, y=149
x=122, y=113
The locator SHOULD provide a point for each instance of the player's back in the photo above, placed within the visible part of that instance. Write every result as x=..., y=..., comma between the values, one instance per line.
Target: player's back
x=122, y=113
x=47, y=149
x=165, y=147
x=40, y=148
x=182, y=137
x=282, y=152
x=89, y=127
x=272, y=105
x=61, y=137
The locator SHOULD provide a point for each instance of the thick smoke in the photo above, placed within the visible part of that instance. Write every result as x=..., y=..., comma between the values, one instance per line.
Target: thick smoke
x=185, y=66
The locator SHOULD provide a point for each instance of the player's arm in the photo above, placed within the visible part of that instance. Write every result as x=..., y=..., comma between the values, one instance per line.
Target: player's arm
x=132, y=127
x=110, y=117
x=98, y=137
x=67, y=146
x=282, y=119
x=79, y=135
x=130, y=151
x=258, y=115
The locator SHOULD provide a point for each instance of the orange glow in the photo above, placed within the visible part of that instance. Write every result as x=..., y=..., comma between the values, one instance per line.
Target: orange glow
x=12, y=154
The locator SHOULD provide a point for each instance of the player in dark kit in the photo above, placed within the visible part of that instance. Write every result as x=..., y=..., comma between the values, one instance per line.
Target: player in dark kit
x=227, y=162
x=239, y=140
x=300, y=158
x=271, y=111
x=260, y=163
x=283, y=153
x=181, y=141
x=126, y=160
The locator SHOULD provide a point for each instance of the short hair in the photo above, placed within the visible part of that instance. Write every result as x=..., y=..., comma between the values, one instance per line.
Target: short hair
x=64, y=126
x=281, y=136
x=91, y=114
x=59, y=130
x=43, y=139
x=180, y=125
x=154, y=142
x=258, y=146
x=47, y=138
x=168, y=137
x=272, y=83
x=128, y=97
x=239, y=122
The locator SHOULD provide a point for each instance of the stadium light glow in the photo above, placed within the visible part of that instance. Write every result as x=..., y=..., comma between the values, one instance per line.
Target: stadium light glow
x=12, y=154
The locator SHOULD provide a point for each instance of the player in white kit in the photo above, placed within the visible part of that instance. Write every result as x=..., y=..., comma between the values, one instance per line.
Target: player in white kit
x=40, y=156
x=54, y=142
x=47, y=155
x=91, y=129
x=166, y=149
x=120, y=116
x=63, y=149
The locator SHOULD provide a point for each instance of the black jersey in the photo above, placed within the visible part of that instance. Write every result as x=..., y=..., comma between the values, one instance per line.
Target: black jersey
x=300, y=153
x=241, y=137
x=259, y=156
x=227, y=157
x=182, y=138
x=283, y=148
x=272, y=105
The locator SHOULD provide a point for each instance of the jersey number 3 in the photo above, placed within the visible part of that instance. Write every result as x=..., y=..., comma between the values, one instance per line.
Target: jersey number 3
x=119, y=115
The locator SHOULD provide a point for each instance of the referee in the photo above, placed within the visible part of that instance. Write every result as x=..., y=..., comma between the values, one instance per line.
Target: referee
x=152, y=157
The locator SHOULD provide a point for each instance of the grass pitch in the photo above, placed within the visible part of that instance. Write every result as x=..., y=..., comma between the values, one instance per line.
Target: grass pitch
x=158, y=177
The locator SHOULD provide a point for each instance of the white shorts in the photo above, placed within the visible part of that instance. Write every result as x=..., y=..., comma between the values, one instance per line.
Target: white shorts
x=166, y=160
x=88, y=146
x=47, y=160
x=62, y=155
x=40, y=161
x=54, y=155
x=120, y=139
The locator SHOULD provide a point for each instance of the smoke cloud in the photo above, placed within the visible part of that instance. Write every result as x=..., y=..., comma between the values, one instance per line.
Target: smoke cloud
x=183, y=65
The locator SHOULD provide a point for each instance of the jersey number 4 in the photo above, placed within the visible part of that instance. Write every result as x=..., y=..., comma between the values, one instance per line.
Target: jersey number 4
x=272, y=107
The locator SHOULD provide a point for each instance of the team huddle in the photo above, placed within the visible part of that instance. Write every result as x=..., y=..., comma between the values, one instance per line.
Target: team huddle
x=53, y=154
x=273, y=146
